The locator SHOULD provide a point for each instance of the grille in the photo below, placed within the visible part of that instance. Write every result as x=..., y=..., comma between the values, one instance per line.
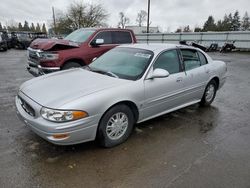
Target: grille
x=27, y=108
x=32, y=54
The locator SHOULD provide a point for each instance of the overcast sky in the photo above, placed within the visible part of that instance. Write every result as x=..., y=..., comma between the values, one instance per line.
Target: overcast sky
x=168, y=15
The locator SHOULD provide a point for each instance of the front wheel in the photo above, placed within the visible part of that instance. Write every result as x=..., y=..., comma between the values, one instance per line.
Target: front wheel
x=71, y=65
x=209, y=94
x=115, y=126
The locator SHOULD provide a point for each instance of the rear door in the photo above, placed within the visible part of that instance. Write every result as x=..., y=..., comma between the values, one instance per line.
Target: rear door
x=121, y=37
x=162, y=94
x=197, y=73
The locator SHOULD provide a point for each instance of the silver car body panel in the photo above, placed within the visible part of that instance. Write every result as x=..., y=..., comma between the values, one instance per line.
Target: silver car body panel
x=79, y=89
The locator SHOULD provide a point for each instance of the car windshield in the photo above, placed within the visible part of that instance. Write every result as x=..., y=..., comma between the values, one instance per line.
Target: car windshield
x=125, y=63
x=80, y=35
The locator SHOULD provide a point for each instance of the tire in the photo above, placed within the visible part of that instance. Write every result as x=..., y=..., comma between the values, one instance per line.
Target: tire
x=209, y=93
x=110, y=132
x=71, y=65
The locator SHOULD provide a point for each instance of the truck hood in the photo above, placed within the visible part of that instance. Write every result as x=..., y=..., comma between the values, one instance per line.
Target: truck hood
x=48, y=44
x=56, y=89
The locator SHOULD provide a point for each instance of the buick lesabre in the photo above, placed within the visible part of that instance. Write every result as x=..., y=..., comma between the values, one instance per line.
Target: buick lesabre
x=125, y=86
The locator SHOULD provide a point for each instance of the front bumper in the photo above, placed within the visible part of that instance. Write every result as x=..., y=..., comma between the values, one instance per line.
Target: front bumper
x=38, y=70
x=3, y=46
x=79, y=131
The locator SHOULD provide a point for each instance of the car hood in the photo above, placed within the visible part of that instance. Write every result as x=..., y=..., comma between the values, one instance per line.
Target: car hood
x=56, y=89
x=47, y=44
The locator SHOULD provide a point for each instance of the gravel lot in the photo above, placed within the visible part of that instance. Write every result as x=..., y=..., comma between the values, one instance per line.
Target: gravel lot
x=192, y=147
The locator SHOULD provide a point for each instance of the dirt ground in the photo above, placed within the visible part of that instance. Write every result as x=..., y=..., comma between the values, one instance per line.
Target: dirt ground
x=192, y=147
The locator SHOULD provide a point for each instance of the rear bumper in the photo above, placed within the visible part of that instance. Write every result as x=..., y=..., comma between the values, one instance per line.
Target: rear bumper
x=222, y=82
x=78, y=131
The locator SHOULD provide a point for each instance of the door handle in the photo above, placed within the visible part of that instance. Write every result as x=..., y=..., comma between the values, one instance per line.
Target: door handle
x=207, y=71
x=179, y=79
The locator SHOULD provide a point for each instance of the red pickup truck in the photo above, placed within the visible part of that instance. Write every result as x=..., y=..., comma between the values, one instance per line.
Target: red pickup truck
x=77, y=49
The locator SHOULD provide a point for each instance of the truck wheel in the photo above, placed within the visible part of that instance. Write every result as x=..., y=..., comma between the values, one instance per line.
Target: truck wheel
x=115, y=126
x=209, y=94
x=71, y=65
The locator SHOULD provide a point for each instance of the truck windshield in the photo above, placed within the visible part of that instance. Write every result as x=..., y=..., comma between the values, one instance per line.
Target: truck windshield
x=80, y=35
x=122, y=62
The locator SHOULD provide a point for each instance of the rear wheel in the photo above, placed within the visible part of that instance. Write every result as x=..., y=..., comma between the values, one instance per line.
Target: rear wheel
x=209, y=94
x=115, y=126
x=71, y=65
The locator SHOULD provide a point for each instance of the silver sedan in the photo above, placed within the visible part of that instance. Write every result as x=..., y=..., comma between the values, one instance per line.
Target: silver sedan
x=127, y=85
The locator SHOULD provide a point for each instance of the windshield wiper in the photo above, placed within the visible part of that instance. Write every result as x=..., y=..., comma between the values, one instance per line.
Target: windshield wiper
x=109, y=73
x=112, y=74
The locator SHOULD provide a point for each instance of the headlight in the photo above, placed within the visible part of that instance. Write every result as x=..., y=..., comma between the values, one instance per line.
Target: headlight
x=48, y=55
x=62, y=115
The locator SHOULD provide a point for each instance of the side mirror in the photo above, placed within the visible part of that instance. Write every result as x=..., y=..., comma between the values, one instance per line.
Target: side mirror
x=94, y=59
x=159, y=73
x=97, y=42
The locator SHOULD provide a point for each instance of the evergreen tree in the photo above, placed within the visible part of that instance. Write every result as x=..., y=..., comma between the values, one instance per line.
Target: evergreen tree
x=197, y=29
x=178, y=30
x=226, y=23
x=26, y=26
x=20, y=27
x=209, y=24
x=230, y=22
x=38, y=28
x=219, y=26
x=245, y=22
x=32, y=27
x=44, y=30
x=236, y=21
x=1, y=27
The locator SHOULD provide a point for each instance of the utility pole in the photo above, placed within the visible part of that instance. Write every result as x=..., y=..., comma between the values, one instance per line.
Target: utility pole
x=54, y=20
x=148, y=16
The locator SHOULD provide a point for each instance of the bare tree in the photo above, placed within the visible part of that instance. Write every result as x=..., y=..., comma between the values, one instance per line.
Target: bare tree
x=123, y=20
x=141, y=17
x=80, y=15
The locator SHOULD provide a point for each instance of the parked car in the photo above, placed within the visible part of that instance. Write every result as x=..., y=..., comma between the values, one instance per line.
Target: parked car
x=77, y=49
x=127, y=85
x=3, y=42
x=20, y=39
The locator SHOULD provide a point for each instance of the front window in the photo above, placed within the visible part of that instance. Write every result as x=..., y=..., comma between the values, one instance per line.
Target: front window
x=106, y=36
x=80, y=35
x=125, y=63
x=168, y=61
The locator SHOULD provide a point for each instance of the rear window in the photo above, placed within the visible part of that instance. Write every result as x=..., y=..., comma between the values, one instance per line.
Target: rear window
x=190, y=59
x=203, y=59
x=121, y=37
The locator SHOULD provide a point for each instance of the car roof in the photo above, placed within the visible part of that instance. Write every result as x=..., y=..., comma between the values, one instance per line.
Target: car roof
x=104, y=29
x=155, y=46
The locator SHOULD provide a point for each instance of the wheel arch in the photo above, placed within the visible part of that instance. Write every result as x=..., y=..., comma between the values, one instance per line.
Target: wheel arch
x=76, y=60
x=128, y=103
x=217, y=80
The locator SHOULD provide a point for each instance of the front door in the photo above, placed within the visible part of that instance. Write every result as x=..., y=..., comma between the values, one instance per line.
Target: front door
x=162, y=94
x=97, y=51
